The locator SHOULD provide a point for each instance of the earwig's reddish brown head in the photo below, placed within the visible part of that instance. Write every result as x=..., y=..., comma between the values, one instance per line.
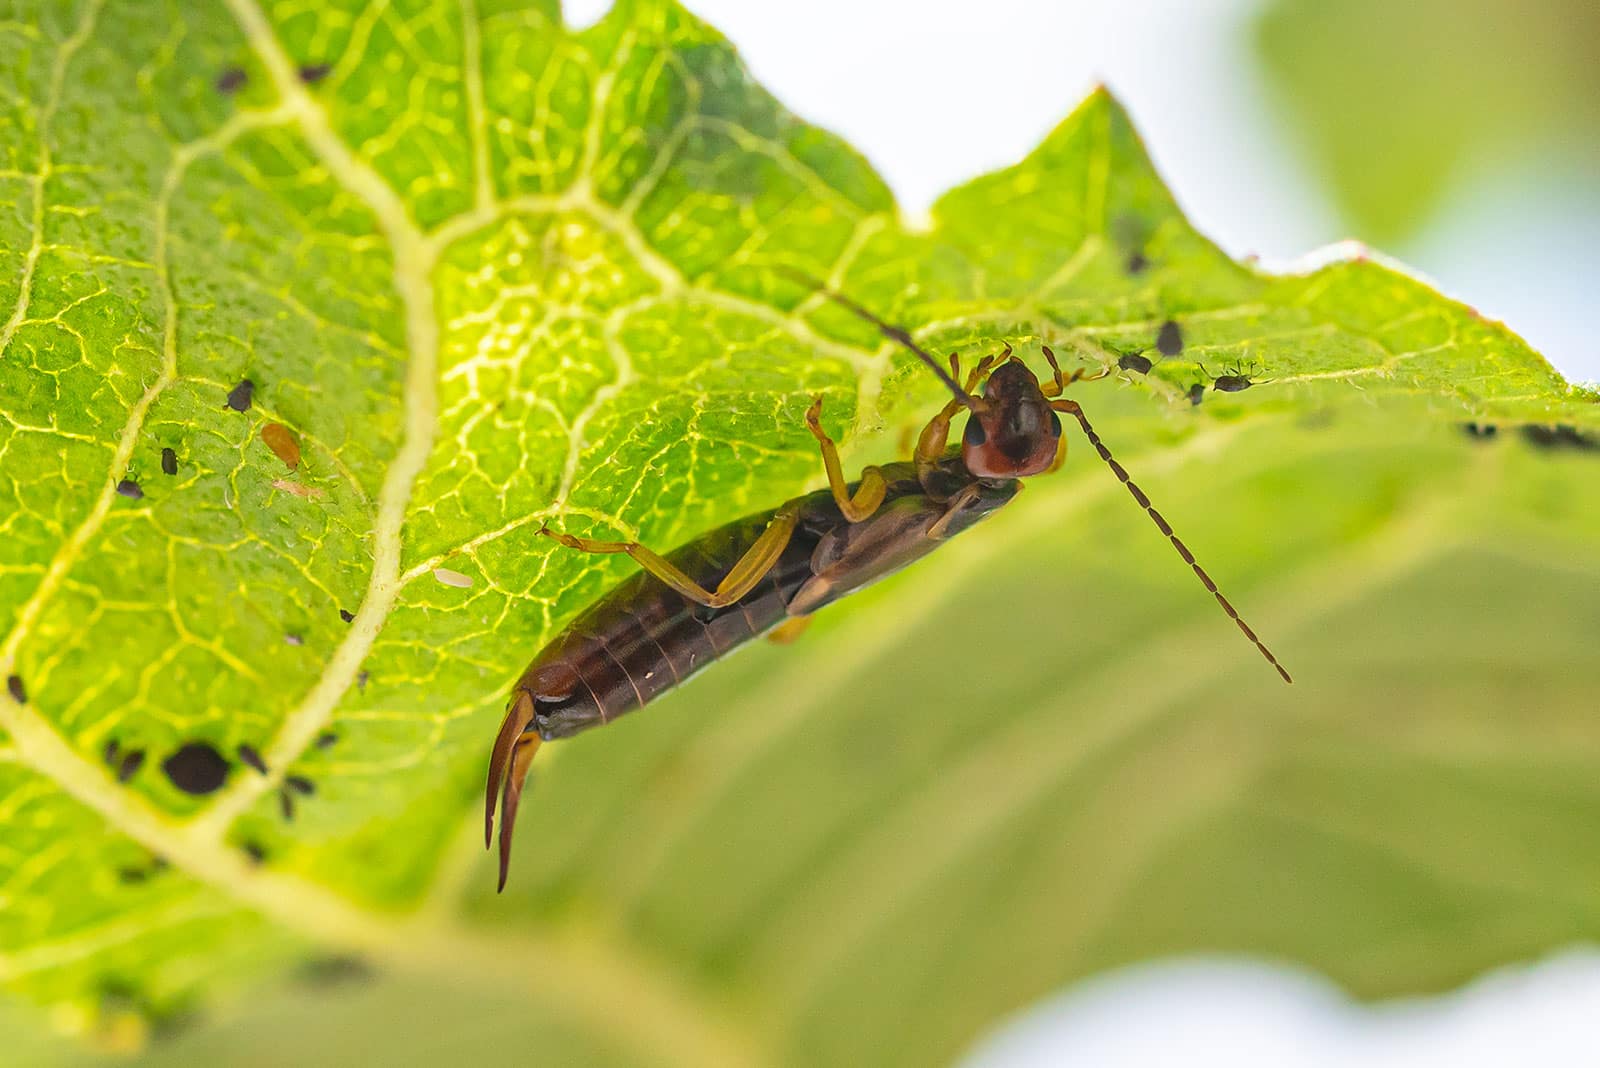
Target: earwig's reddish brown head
x=1014, y=433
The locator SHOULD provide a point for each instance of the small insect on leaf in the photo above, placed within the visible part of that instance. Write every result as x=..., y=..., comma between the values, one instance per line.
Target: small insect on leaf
x=1169, y=339
x=281, y=441
x=15, y=688
x=310, y=493
x=241, y=396
x=347, y=615
x=312, y=73
x=1197, y=393
x=1136, y=363
x=169, y=462
x=327, y=740
x=1480, y=431
x=231, y=80
x=452, y=578
x=131, y=762
x=196, y=768
x=300, y=785
x=130, y=489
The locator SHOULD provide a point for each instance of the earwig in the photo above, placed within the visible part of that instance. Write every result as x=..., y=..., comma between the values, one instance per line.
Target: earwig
x=770, y=571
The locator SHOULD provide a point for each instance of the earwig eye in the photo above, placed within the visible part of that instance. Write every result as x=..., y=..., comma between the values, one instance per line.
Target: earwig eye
x=974, y=435
x=1055, y=424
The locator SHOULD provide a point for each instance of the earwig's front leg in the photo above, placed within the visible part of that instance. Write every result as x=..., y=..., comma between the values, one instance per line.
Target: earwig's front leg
x=869, y=494
x=741, y=578
x=1061, y=382
x=935, y=437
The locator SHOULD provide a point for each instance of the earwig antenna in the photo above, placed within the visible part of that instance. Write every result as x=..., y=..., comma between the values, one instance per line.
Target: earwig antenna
x=888, y=330
x=1072, y=408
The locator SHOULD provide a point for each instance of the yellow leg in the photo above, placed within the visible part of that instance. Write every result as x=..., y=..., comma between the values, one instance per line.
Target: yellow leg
x=869, y=494
x=743, y=577
x=788, y=630
x=935, y=437
x=1061, y=382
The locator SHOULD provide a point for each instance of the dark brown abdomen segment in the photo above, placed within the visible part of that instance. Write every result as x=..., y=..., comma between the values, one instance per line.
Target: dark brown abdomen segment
x=642, y=638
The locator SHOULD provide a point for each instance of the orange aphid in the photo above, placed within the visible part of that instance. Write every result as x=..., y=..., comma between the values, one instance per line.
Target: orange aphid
x=310, y=493
x=282, y=443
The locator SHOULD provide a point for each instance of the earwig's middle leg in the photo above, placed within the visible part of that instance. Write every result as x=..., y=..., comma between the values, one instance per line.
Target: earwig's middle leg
x=869, y=494
x=746, y=573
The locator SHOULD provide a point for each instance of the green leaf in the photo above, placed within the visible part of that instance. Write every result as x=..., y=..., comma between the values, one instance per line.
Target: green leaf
x=1400, y=105
x=490, y=272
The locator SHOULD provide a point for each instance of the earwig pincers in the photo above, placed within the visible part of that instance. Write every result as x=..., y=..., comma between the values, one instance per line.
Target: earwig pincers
x=687, y=608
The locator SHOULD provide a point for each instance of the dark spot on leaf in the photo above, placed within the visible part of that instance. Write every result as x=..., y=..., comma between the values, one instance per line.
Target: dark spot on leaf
x=361, y=682
x=294, y=639
x=130, y=764
x=300, y=785
x=196, y=768
x=1136, y=363
x=1137, y=263
x=327, y=740
x=169, y=462
x=336, y=971
x=241, y=396
x=130, y=489
x=1197, y=393
x=132, y=876
x=1480, y=431
x=1560, y=436
x=111, y=750
x=312, y=73
x=255, y=851
x=252, y=759
x=231, y=80
x=1169, y=339
x=286, y=805
x=347, y=615
x=18, y=692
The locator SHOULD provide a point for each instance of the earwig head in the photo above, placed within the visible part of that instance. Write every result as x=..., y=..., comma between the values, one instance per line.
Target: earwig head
x=1014, y=433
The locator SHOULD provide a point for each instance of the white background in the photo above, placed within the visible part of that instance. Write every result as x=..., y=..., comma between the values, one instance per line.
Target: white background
x=939, y=91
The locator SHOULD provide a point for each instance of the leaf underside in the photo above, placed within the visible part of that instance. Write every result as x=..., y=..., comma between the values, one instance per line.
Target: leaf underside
x=486, y=272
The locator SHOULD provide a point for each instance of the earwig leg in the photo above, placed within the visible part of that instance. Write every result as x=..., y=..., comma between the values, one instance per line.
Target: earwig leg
x=869, y=494
x=965, y=497
x=788, y=630
x=1073, y=409
x=522, y=757
x=518, y=716
x=741, y=578
x=1062, y=381
x=935, y=437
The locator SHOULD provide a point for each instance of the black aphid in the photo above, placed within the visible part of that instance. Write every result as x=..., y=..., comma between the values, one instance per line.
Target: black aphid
x=1480, y=431
x=110, y=752
x=286, y=805
x=327, y=739
x=130, y=489
x=19, y=693
x=1559, y=436
x=1169, y=339
x=1137, y=263
x=347, y=615
x=1197, y=393
x=133, y=875
x=231, y=80
x=361, y=682
x=196, y=768
x=1134, y=362
x=169, y=462
x=255, y=851
x=300, y=785
x=251, y=758
x=312, y=73
x=241, y=396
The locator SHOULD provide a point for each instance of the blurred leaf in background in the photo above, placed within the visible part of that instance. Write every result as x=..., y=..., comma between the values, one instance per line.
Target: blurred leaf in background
x=1401, y=104
x=486, y=270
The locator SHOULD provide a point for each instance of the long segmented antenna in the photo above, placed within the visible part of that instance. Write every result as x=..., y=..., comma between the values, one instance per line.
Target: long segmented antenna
x=1072, y=408
x=887, y=329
